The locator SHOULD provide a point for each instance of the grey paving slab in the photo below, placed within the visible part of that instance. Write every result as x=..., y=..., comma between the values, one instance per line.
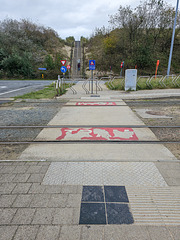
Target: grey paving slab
x=21, y=177
x=6, y=178
x=168, y=165
x=7, y=188
x=157, y=233
x=44, y=169
x=53, y=189
x=20, y=169
x=59, y=201
x=31, y=163
x=36, y=188
x=126, y=232
x=170, y=173
x=71, y=189
x=43, y=216
x=23, y=200
x=7, y=232
x=21, y=188
x=6, y=163
x=24, y=216
x=7, y=169
x=7, y=200
x=74, y=200
x=43, y=164
x=34, y=169
x=48, y=232
x=35, y=178
x=175, y=232
x=76, y=216
x=6, y=215
x=26, y=233
x=173, y=181
x=40, y=200
x=92, y=232
x=63, y=216
x=70, y=233
x=18, y=163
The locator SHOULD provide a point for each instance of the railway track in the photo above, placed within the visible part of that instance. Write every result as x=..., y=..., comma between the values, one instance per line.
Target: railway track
x=89, y=141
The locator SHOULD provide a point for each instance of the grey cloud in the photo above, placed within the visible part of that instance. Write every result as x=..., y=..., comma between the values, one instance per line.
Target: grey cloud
x=73, y=17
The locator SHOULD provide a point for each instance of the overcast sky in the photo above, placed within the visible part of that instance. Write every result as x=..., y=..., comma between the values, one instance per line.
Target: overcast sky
x=68, y=17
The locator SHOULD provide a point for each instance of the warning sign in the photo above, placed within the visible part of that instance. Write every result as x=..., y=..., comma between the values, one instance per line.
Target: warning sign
x=63, y=62
x=92, y=64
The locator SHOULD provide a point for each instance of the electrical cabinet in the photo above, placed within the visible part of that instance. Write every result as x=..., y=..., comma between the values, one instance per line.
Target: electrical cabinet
x=130, y=79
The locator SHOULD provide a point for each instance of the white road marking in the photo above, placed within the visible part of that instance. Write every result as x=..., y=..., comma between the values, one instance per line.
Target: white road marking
x=3, y=86
x=15, y=90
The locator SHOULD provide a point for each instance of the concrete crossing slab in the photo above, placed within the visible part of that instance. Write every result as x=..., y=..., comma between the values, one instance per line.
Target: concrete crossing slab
x=98, y=152
x=95, y=116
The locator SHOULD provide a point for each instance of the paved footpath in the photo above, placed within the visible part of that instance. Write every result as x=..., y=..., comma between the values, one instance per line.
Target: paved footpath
x=76, y=189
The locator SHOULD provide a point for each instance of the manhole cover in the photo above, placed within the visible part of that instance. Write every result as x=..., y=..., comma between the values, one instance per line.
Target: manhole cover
x=155, y=113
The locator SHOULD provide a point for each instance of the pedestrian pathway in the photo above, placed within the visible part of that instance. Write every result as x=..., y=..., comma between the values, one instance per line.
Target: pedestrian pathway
x=80, y=187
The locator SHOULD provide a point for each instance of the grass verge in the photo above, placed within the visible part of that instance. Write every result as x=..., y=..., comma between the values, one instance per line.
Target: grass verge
x=48, y=92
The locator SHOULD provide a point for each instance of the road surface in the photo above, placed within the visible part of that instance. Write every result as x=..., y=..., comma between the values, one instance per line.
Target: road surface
x=12, y=88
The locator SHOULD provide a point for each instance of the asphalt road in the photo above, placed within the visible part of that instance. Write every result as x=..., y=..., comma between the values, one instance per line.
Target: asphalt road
x=12, y=88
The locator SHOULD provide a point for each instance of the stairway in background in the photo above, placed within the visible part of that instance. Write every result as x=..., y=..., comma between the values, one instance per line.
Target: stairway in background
x=77, y=61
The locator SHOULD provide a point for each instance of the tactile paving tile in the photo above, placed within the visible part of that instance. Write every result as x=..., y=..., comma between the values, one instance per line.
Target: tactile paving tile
x=100, y=173
x=105, y=205
x=155, y=205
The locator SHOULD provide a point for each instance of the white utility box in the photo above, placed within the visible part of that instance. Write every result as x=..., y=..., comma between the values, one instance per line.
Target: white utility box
x=130, y=79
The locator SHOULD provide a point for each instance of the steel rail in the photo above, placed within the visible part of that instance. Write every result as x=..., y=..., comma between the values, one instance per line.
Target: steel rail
x=88, y=126
x=61, y=106
x=89, y=141
x=125, y=100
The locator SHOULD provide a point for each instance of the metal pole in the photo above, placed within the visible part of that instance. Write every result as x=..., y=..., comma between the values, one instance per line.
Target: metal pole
x=91, y=81
x=172, y=41
x=96, y=86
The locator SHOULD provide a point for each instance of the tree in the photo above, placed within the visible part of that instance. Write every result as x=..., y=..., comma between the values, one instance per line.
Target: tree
x=70, y=40
x=138, y=36
x=49, y=63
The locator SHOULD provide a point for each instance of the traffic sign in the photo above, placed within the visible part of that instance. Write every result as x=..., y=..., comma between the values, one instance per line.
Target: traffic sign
x=92, y=64
x=68, y=66
x=42, y=69
x=63, y=69
x=63, y=62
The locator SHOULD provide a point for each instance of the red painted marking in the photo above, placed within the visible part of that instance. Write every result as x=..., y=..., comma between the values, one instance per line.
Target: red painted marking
x=96, y=104
x=98, y=134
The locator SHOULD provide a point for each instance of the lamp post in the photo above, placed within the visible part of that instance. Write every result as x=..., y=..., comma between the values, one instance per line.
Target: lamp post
x=172, y=41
